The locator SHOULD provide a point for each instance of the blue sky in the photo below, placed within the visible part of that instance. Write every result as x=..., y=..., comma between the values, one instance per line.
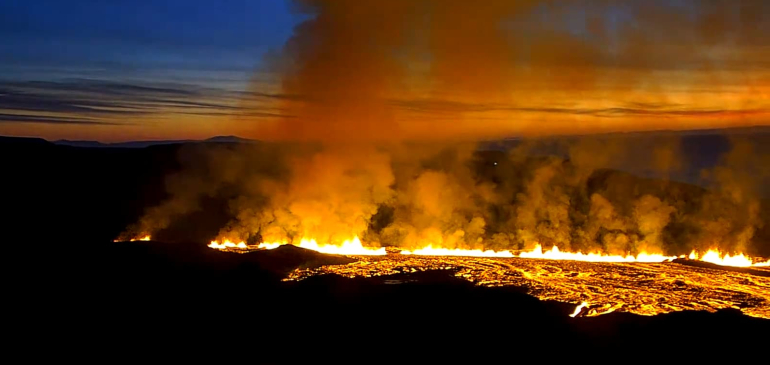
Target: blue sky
x=121, y=69
x=129, y=34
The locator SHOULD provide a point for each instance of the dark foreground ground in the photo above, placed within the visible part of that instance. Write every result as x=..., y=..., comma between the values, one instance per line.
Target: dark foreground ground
x=71, y=293
x=136, y=296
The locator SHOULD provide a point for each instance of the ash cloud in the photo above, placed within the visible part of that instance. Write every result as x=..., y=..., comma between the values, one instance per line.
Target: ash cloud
x=356, y=155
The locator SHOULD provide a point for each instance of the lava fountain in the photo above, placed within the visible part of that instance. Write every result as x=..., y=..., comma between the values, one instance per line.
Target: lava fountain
x=352, y=247
x=437, y=251
x=716, y=257
x=555, y=254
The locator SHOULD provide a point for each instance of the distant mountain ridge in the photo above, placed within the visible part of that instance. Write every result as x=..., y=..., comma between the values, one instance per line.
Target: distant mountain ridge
x=143, y=144
x=497, y=144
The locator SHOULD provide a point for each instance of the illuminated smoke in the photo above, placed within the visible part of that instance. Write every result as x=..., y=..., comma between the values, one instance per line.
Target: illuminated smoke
x=383, y=99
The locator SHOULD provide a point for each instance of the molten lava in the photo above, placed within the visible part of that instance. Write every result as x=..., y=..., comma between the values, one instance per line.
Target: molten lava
x=145, y=238
x=355, y=248
x=226, y=244
x=348, y=247
x=634, y=287
x=269, y=246
x=433, y=251
x=555, y=254
x=578, y=309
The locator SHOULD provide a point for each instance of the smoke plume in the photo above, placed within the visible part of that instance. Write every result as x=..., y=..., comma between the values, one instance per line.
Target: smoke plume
x=383, y=101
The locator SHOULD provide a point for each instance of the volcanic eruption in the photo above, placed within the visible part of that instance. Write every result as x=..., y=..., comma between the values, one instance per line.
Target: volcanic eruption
x=384, y=105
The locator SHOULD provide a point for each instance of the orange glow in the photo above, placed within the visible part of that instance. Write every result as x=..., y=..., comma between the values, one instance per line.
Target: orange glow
x=555, y=254
x=431, y=251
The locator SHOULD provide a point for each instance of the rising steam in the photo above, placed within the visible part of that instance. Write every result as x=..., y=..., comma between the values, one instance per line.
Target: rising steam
x=383, y=99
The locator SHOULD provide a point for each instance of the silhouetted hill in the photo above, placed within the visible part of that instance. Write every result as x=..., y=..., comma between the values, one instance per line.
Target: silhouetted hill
x=144, y=144
x=132, y=144
x=23, y=141
x=229, y=139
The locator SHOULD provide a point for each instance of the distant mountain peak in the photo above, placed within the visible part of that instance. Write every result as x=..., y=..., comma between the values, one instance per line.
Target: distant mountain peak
x=231, y=139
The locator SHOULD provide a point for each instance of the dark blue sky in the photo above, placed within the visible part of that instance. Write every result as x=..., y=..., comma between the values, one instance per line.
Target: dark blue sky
x=132, y=69
x=174, y=34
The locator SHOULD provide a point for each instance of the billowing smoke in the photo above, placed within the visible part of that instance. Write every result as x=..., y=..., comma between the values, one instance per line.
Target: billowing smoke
x=382, y=102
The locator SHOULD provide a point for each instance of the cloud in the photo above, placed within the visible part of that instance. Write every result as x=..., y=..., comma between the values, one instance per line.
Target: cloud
x=15, y=118
x=87, y=101
x=438, y=107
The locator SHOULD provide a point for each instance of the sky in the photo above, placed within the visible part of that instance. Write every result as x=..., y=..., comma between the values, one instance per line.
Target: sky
x=176, y=69
x=130, y=69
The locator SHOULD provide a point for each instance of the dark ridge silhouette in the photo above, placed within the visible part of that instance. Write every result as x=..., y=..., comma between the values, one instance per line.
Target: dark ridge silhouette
x=200, y=295
x=144, y=144
x=23, y=141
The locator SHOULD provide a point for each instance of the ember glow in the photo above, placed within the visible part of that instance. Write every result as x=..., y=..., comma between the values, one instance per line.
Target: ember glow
x=555, y=254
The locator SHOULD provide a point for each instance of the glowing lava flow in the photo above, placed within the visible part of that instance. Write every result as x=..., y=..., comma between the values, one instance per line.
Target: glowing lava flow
x=431, y=251
x=555, y=254
x=355, y=248
x=145, y=238
x=269, y=246
x=578, y=309
x=716, y=257
x=227, y=244
x=348, y=247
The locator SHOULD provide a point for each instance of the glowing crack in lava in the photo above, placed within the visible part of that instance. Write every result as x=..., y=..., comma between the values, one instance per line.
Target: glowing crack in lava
x=349, y=247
